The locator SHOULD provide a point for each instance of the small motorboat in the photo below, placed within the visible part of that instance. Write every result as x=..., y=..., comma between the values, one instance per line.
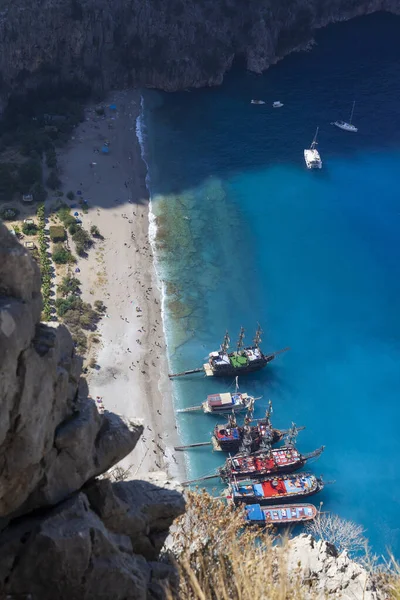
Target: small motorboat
x=287, y=514
x=277, y=104
x=275, y=490
x=257, y=102
x=312, y=156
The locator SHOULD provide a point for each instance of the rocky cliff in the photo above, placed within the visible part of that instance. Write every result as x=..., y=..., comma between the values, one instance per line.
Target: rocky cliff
x=166, y=44
x=64, y=532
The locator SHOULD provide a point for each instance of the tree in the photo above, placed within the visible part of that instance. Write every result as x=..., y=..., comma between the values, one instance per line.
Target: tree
x=343, y=534
x=29, y=229
x=62, y=256
x=70, y=195
x=69, y=285
x=53, y=181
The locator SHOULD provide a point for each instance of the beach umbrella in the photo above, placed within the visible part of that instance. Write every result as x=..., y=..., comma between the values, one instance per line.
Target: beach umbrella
x=105, y=150
x=79, y=193
x=76, y=214
x=113, y=107
x=77, y=270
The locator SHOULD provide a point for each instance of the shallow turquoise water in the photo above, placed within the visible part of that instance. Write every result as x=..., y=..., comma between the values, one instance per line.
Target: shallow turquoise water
x=248, y=235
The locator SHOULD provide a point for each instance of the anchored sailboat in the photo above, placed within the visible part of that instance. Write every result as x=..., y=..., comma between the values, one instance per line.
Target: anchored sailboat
x=311, y=155
x=347, y=126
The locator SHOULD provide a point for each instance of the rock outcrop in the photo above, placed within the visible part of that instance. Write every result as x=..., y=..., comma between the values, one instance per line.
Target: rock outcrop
x=66, y=534
x=170, y=45
x=328, y=573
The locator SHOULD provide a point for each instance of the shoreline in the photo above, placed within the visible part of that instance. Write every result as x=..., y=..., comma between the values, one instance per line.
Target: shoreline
x=131, y=375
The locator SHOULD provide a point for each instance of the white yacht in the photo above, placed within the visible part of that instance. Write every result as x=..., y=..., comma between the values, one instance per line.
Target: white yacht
x=311, y=155
x=277, y=104
x=347, y=126
x=257, y=102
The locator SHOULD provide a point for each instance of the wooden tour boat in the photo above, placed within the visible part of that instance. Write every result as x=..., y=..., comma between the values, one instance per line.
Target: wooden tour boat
x=287, y=514
x=266, y=462
x=227, y=402
x=275, y=490
x=243, y=360
x=231, y=437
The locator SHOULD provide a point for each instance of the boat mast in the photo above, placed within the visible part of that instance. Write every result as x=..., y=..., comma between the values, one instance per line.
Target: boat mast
x=352, y=111
x=257, y=340
x=240, y=340
x=292, y=435
x=314, y=142
x=225, y=343
x=269, y=412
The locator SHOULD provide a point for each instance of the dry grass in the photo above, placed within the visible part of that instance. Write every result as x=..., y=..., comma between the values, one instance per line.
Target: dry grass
x=218, y=559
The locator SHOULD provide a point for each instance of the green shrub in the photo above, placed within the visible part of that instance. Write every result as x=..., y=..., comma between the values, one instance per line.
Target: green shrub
x=57, y=233
x=64, y=305
x=29, y=229
x=53, y=181
x=80, y=340
x=100, y=306
x=62, y=256
x=70, y=195
x=95, y=232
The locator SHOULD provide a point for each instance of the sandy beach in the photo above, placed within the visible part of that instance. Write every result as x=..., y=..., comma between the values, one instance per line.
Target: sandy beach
x=131, y=374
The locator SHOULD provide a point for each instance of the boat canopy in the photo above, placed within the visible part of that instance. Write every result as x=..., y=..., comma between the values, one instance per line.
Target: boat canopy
x=220, y=399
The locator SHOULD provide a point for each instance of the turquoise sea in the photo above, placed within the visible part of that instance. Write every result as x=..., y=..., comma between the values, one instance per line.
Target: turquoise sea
x=246, y=234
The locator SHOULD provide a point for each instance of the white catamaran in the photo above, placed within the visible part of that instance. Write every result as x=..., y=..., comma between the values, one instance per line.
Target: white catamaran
x=311, y=155
x=347, y=126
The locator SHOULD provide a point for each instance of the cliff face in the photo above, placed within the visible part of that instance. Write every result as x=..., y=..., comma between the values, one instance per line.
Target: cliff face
x=75, y=536
x=169, y=45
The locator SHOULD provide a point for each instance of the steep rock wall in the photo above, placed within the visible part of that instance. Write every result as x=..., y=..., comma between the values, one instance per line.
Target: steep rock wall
x=63, y=533
x=170, y=44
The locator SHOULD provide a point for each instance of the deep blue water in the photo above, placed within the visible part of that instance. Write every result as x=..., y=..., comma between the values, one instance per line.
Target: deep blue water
x=247, y=235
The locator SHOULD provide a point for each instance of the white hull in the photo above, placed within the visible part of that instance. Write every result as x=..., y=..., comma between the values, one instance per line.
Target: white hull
x=313, y=159
x=345, y=126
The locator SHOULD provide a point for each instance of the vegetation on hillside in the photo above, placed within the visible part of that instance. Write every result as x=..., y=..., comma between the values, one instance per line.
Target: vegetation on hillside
x=45, y=265
x=218, y=558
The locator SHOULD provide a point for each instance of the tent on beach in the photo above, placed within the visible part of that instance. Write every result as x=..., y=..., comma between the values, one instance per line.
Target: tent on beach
x=105, y=150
